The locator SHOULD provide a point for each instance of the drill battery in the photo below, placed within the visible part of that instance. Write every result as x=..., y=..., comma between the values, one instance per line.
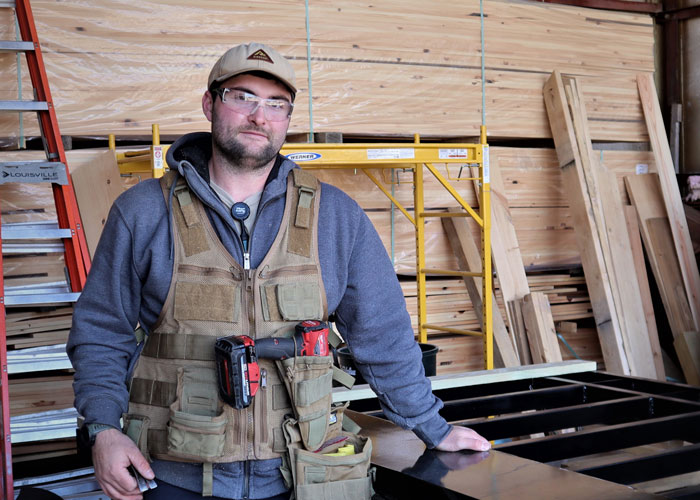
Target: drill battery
x=238, y=370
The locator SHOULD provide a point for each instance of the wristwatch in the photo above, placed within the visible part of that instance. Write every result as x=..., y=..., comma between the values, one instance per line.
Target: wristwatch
x=90, y=431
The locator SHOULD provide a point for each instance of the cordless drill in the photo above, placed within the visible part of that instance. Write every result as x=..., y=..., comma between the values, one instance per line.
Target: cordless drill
x=237, y=358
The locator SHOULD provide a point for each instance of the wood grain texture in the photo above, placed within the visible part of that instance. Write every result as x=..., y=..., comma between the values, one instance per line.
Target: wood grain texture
x=540, y=328
x=671, y=194
x=96, y=186
x=586, y=231
x=469, y=259
x=389, y=67
x=645, y=192
x=644, y=290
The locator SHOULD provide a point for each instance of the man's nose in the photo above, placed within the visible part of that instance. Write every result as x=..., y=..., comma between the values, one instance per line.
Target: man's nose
x=257, y=115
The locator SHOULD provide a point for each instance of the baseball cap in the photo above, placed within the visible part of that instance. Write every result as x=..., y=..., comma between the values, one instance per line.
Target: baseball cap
x=249, y=57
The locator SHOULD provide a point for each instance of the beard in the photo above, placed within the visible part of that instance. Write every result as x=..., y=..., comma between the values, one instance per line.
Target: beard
x=238, y=156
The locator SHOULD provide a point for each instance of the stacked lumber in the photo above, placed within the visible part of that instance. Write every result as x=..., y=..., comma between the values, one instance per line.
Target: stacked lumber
x=42, y=407
x=532, y=185
x=448, y=304
x=32, y=328
x=601, y=234
x=388, y=68
x=40, y=394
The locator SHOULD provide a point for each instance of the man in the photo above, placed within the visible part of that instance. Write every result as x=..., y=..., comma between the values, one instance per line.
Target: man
x=177, y=260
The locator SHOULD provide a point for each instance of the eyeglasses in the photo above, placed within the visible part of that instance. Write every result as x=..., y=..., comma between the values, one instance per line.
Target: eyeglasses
x=275, y=110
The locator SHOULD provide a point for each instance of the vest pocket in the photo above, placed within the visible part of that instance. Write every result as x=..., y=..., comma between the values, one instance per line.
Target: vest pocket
x=206, y=302
x=291, y=302
x=136, y=428
x=197, y=426
x=309, y=383
x=318, y=475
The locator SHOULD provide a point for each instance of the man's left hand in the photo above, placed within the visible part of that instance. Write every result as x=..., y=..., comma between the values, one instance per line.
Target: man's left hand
x=463, y=438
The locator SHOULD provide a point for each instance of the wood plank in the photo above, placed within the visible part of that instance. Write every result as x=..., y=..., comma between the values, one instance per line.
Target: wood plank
x=507, y=260
x=693, y=217
x=608, y=217
x=96, y=186
x=469, y=259
x=671, y=194
x=688, y=349
x=645, y=194
x=585, y=229
x=644, y=290
x=366, y=60
x=540, y=328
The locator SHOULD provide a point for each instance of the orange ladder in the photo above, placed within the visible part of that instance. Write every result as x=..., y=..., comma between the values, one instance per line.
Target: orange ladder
x=70, y=231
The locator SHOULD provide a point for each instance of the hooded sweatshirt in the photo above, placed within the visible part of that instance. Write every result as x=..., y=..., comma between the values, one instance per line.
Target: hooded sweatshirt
x=131, y=274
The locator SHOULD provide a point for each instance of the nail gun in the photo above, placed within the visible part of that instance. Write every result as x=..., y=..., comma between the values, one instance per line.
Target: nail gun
x=237, y=358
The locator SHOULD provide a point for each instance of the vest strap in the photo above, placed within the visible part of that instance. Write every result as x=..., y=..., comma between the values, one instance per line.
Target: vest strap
x=184, y=198
x=207, y=479
x=152, y=392
x=303, y=214
x=180, y=346
x=305, y=199
x=343, y=377
x=187, y=219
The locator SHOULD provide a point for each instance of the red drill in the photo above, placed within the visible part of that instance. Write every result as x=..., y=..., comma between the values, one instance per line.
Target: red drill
x=237, y=358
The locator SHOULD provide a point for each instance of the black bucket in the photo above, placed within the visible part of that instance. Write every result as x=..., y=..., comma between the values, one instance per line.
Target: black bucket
x=347, y=364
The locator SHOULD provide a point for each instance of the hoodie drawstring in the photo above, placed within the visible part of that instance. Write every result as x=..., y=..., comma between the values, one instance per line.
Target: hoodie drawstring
x=170, y=214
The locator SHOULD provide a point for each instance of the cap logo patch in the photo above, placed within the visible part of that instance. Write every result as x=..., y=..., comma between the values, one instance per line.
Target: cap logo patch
x=260, y=55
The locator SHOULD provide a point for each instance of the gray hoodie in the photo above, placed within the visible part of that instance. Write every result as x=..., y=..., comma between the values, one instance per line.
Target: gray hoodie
x=131, y=274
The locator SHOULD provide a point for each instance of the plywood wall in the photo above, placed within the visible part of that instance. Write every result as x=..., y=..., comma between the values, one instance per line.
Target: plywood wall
x=382, y=67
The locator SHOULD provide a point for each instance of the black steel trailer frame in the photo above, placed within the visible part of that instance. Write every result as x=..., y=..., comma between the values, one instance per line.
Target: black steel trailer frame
x=557, y=420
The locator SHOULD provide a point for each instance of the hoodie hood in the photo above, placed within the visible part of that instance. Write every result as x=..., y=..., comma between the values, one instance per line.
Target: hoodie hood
x=190, y=156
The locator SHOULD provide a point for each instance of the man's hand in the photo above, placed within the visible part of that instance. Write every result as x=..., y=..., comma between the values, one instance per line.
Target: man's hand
x=463, y=438
x=112, y=453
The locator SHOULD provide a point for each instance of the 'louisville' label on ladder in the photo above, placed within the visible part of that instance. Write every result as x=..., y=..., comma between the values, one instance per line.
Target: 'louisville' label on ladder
x=34, y=172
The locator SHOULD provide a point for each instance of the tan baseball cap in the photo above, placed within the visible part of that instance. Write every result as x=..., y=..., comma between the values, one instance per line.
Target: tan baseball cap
x=253, y=57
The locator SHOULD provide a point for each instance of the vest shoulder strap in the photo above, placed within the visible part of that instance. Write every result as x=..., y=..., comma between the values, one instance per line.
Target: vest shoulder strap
x=189, y=223
x=301, y=219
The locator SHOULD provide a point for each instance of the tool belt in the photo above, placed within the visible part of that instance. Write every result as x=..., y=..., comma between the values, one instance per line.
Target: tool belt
x=326, y=459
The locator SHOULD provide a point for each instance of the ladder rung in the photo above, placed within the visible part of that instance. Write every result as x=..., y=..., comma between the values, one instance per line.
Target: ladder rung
x=34, y=233
x=7, y=4
x=43, y=298
x=33, y=171
x=24, y=106
x=32, y=248
x=12, y=46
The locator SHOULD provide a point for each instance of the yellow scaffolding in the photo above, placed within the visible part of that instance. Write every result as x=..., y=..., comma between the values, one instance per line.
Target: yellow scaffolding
x=416, y=156
x=149, y=161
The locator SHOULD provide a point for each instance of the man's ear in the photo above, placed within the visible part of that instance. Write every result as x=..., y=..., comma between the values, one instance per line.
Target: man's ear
x=208, y=104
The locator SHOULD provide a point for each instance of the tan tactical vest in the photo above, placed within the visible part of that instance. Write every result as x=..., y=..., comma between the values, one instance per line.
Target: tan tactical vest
x=175, y=412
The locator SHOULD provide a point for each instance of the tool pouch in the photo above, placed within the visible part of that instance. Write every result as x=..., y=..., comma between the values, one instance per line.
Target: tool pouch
x=317, y=476
x=136, y=428
x=308, y=380
x=197, y=425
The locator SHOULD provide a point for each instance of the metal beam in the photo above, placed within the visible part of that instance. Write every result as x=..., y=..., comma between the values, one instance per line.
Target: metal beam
x=405, y=469
x=601, y=413
x=614, y=437
x=538, y=399
x=669, y=463
x=626, y=6
x=681, y=14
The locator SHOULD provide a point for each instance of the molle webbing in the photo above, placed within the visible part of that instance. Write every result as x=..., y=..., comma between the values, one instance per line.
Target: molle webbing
x=180, y=346
x=300, y=227
x=152, y=392
x=192, y=232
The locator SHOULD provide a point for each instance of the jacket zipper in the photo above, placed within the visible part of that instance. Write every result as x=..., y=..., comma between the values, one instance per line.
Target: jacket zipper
x=206, y=271
x=265, y=274
x=246, y=483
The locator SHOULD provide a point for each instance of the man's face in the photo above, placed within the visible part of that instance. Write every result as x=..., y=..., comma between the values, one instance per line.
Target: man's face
x=247, y=141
